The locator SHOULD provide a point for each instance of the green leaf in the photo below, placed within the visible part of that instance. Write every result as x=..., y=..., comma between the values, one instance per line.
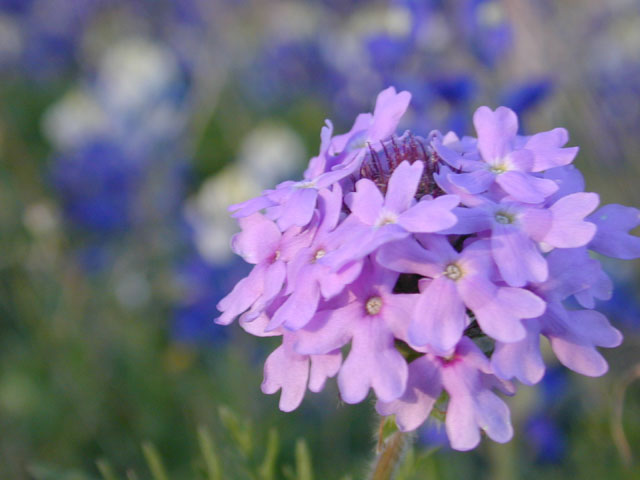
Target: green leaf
x=131, y=475
x=209, y=454
x=240, y=430
x=45, y=472
x=154, y=461
x=304, y=468
x=267, y=470
x=407, y=467
x=105, y=469
x=387, y=428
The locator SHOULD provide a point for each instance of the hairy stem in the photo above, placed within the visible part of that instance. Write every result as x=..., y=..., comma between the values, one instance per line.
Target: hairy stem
x=389, y=456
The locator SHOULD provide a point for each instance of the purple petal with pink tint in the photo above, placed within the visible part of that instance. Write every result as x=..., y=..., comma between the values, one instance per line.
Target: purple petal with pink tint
x=568, y=227
x=288, y=371
x=410, y=257
x=423, y=389
x=473, y=182
x=517, y=256
x=495, y=131
x=547, y=151
x=612, y=237
x=322, y=368
x=521, y=360
x=373, y=362
x=430, y=215
x=298, y=209
x=366, y=203
x=526, y=188
x=390, y=107
x=258, y=239
x=439, y=318
x=244, y=294
x=402, y=186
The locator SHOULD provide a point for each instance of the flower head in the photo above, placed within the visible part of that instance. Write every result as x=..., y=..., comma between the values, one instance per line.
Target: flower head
x=438, y=262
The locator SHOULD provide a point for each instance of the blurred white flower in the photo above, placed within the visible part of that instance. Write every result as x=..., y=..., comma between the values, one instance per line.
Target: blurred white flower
x=41, y=218
x=73, y=119
x=136, y=96
x=134, y=73
x=270, y=153
x=132, y=290
x=10, y=39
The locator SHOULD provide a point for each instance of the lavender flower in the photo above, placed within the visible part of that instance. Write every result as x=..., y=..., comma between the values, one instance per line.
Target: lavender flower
x=440, y=261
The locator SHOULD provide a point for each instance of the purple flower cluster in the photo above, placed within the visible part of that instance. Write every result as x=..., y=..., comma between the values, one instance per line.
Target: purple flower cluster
x=436, y=262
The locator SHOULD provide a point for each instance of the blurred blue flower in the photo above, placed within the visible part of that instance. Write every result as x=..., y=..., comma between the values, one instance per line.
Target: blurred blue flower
x=285, y=71
x=554, y=386
x=525, y=96
x=200, y=287
x=432, y=434
x=48, y=33
x=547, y=442
x=624, y=308
x=544, y=431
x=97, y=185
x=486, y=29
x=15, y=6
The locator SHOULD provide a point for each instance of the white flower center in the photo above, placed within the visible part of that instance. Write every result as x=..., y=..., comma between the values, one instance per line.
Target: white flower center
x=387, y=218
x=319, y=254
x=498, y=168
x=373, y=305
x=453, y=271
x=306, y=184
x=504, y=218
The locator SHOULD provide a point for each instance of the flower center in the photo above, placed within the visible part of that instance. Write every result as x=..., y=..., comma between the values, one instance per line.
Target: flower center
x=504, y=218
x=306, y=184
x=453, y=271
x=319, y=254
x=386, y=219
x=373, y=305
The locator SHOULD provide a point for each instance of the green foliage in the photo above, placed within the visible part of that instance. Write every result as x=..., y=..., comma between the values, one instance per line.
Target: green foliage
x=207, y=464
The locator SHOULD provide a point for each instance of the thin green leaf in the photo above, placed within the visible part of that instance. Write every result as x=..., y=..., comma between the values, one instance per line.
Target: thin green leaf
x=211, y=458
x=131, y=475
x=105, y=469
x=154, y=461
x=267, y=470
x=304, y=468
x=241, y=431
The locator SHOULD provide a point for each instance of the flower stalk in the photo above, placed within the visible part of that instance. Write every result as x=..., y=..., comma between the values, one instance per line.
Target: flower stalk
x=390, y=454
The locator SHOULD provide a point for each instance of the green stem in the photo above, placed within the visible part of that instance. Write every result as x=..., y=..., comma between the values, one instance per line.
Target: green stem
x=389, y=457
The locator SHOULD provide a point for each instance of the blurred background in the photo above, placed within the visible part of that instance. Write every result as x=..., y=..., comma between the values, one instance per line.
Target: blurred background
x=126, y=129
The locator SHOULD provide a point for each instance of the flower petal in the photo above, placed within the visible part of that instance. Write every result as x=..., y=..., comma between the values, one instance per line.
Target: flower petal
x=495, y=131
x=612, y=238
x=568, y=227
x=322, y=368
x=373, y=361
x=423, y=389
x=439, y=318
x=430, y=215
x=402, y=186
x=287, y=371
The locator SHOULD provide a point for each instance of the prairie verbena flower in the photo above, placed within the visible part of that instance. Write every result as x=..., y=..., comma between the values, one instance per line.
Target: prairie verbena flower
x=436, y=261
